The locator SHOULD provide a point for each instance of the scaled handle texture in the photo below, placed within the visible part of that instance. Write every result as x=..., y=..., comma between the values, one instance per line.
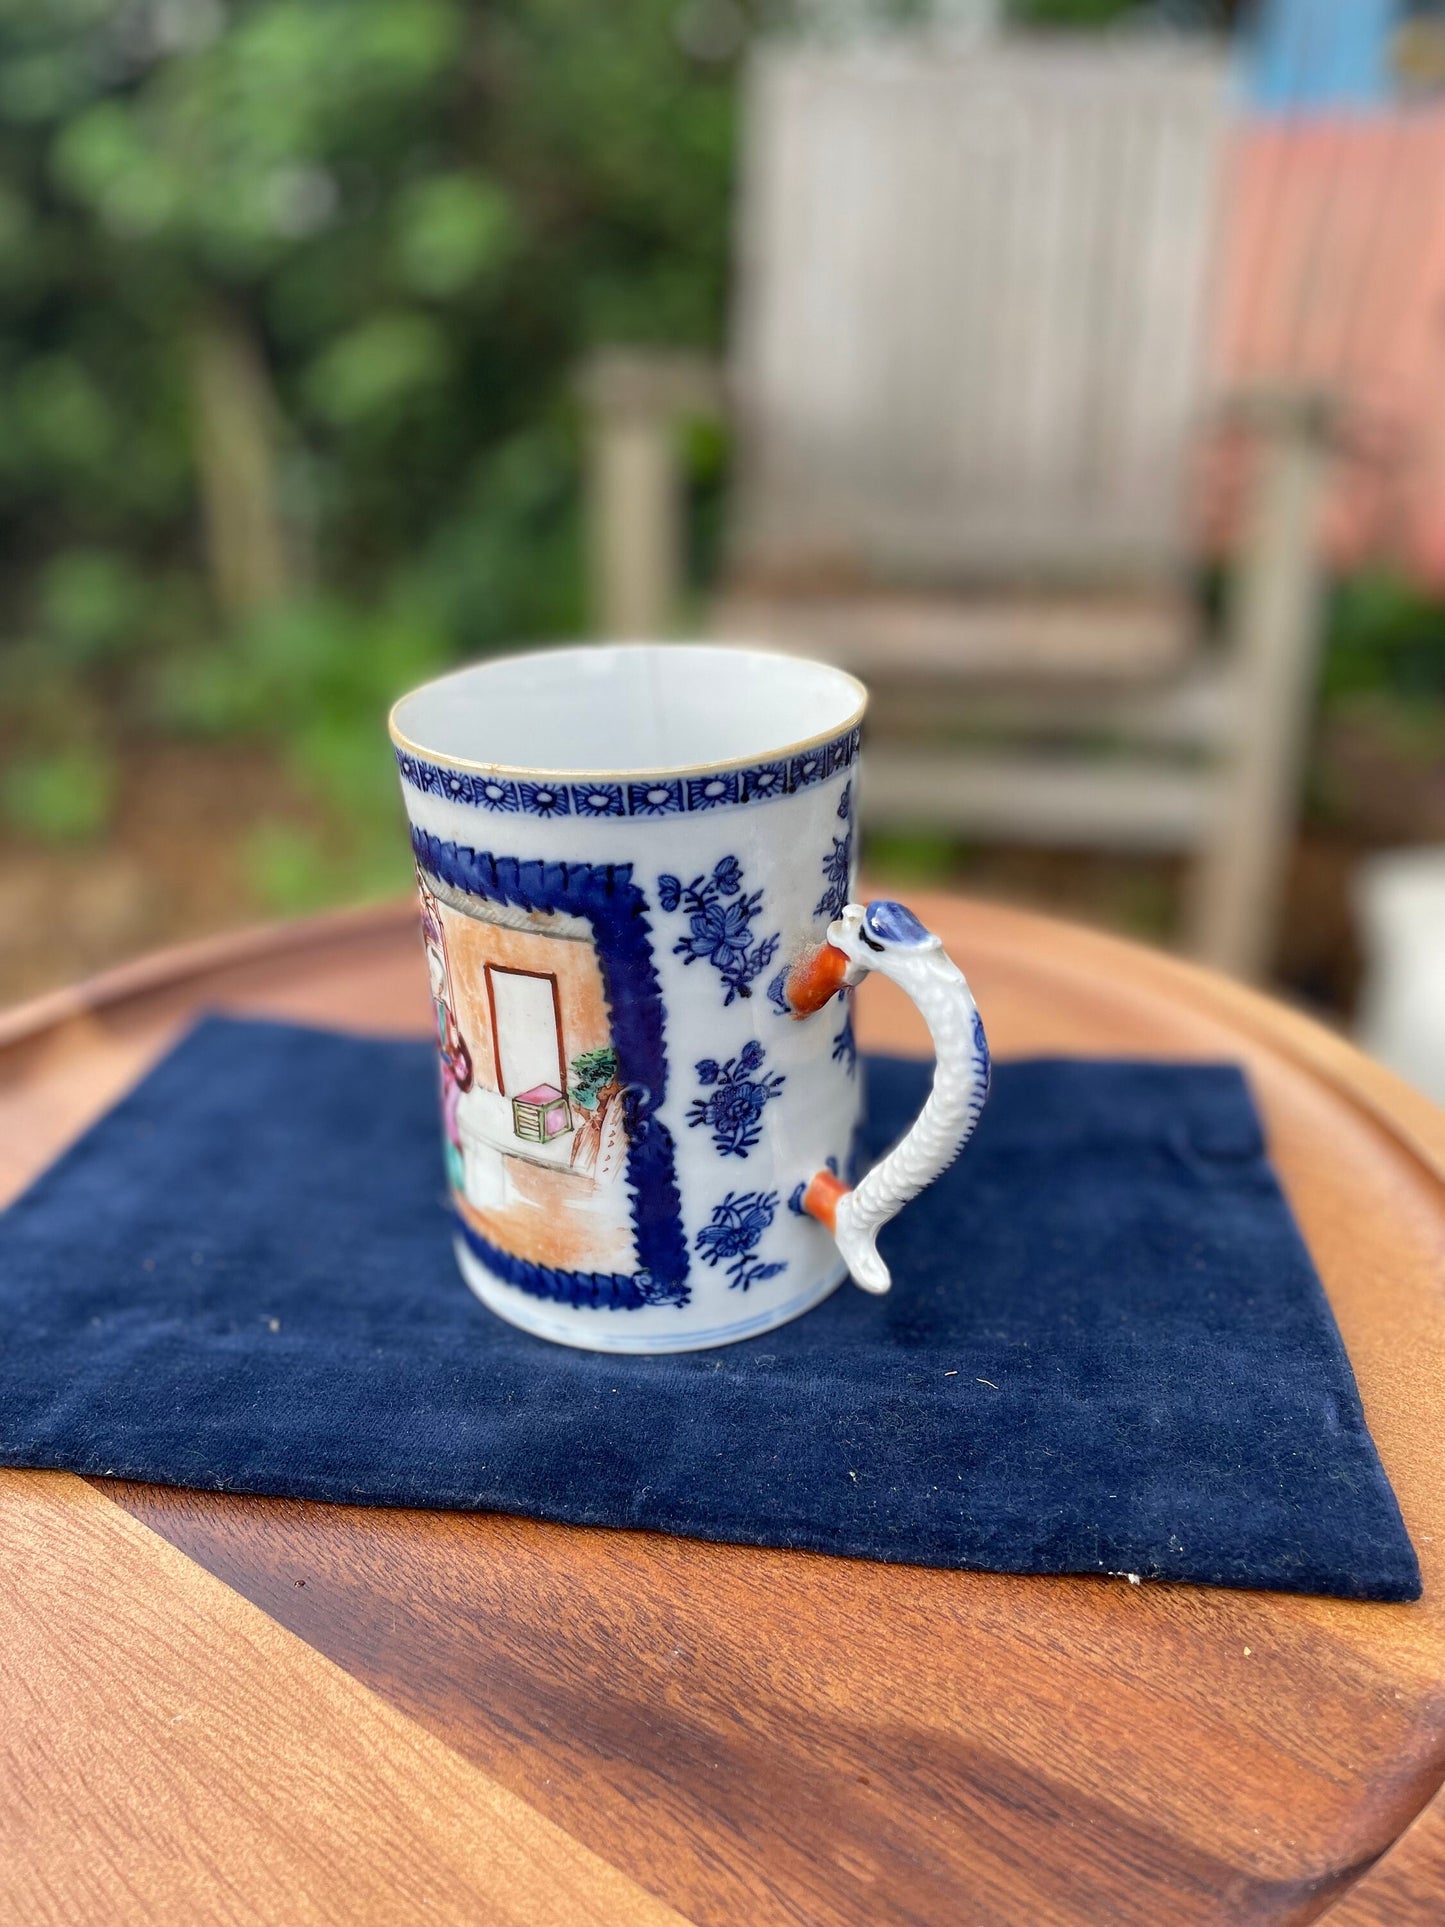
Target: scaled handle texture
x=888, y=938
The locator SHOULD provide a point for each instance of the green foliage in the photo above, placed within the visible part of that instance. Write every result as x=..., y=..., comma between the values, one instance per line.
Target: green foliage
x=592, y=1071
x=91, y=601
x=286, y=866
x=414, y=216
x=1072, y=13
x=920, y=857
x=392, y=199
x=295, y=869
x=453, y=230
x=1384, y=637
x=318, y=678
x=62, y=797
x=370, y=375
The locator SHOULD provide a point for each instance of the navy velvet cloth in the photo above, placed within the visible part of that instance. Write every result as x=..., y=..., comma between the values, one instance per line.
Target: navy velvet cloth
x=1106, y=1349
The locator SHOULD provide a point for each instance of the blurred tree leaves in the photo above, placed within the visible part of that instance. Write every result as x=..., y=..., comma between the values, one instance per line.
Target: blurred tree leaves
x=91, y=602
x=1384, y=636
x=59, y=797
x=1075, y=13
x=369, y=375
x=452, y=231
x=421, y=213
x=324, y=269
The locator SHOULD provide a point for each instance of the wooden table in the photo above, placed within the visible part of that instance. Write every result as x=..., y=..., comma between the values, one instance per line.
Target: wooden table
x=229, y=1709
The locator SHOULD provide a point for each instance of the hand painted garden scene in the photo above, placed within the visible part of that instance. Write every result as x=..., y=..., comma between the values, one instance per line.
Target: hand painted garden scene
x=534, y=1111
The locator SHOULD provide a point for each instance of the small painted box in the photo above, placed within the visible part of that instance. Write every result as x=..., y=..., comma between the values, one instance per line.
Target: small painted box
x=541, y=1114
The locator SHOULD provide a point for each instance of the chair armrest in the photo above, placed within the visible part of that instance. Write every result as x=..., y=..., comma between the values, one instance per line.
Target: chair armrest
x=633, y=400
x=659, y=384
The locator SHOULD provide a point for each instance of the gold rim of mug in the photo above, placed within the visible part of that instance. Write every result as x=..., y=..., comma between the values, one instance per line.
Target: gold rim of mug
x=529, y=770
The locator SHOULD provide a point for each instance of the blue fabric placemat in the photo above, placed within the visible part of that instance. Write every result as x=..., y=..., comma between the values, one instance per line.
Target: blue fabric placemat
x=1106, y=1349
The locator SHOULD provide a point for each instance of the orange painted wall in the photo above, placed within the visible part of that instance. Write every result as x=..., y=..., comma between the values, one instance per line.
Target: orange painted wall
x=471, y=945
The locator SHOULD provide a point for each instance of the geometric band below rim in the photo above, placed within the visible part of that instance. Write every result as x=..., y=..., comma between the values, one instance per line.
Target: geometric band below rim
x=657, y=796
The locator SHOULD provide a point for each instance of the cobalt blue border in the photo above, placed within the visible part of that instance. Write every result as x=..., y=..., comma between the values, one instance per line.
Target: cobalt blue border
x=611, y=902
x=663, y=796
x=590, y=1290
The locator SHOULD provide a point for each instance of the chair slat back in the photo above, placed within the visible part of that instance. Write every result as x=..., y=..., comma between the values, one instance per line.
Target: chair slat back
x=971, y=287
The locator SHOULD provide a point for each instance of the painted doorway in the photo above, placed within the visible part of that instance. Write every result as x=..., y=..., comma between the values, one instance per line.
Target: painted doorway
x=526, y=1029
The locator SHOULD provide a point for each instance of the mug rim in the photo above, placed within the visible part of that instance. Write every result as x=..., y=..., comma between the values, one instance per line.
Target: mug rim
x=765, y=753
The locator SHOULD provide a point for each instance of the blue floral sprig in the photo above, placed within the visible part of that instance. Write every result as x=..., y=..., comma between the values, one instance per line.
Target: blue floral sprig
x=845, y=1045
x=733, y=1111
x=720, y=918
x=738, y=1224
x=836, y=867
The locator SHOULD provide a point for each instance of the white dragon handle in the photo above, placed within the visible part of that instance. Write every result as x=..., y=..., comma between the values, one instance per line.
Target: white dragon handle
x=888, y=938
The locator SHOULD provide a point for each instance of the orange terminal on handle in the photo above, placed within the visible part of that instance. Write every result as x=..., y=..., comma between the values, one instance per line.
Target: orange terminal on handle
x=815, y=977
x=820, y=1198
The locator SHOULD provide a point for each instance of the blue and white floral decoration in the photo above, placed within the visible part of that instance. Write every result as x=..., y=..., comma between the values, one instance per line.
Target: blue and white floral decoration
x=838, y=863
x=733, y=1109
x=720, y=918
x=737, y=1227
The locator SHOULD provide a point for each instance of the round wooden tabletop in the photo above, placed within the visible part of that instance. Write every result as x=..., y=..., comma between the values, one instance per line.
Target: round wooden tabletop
x=232, y=1709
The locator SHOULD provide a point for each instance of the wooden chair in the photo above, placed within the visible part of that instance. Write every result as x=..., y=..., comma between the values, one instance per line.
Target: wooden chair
x=965, y=382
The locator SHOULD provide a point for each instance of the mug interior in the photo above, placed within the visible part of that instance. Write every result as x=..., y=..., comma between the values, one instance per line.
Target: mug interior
x=630, y=709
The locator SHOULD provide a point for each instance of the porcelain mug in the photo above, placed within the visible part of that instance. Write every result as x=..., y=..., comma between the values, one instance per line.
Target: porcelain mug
x=636, y=869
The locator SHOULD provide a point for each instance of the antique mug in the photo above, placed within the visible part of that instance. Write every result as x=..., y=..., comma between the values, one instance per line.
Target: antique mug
x=635, y=866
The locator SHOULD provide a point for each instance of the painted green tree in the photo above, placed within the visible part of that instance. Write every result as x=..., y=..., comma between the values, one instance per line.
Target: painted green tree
x=592, y=1071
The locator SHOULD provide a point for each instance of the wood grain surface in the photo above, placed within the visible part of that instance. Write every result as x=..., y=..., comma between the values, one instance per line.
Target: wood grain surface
x=770, y=1737
x=169, y=1754
x=1407, y=1886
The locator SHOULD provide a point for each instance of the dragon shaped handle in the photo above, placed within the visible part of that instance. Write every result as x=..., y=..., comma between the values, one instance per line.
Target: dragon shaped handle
x=888, y=938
